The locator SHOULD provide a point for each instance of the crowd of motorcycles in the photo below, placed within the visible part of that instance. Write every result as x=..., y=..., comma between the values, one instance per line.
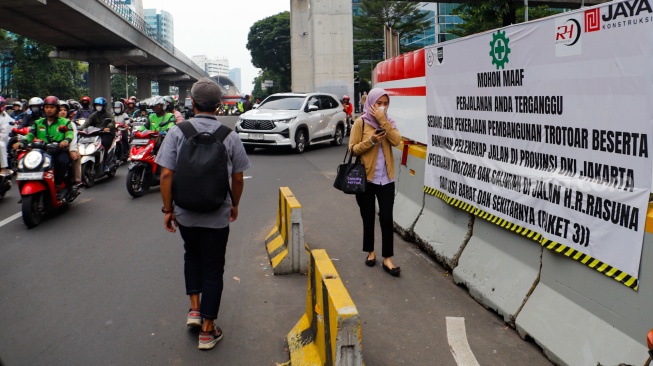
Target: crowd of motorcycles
x=32, y=166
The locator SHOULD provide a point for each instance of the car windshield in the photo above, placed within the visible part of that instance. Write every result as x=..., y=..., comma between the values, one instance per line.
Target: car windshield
x=283, y=102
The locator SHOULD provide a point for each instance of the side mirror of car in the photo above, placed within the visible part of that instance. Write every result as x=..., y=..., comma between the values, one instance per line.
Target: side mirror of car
x=312, y=108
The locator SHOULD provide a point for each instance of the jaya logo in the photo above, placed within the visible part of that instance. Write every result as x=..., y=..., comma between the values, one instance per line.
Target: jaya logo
x=499, y=49
x=618, y=15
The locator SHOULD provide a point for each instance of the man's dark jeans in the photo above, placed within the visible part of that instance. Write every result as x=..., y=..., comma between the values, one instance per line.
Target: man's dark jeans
x=204, y=265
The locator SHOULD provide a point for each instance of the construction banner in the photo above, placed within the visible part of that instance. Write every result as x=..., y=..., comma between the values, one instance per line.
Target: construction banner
x=545, y=128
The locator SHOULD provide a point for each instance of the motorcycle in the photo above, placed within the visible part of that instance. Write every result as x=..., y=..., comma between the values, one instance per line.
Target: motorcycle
x=143, y=171
x=35, y=180
x=5, y=185
x=122, y=129
x=649, y=342
x=89, y=145
x=17, y=135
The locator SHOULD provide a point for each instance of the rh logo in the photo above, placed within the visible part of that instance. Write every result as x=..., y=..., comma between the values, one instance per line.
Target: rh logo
x=592, y=20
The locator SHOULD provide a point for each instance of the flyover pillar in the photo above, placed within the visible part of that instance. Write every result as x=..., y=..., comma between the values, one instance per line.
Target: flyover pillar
x=99, y=75
x=183, y=92
x=143, y=87
x=164, y=87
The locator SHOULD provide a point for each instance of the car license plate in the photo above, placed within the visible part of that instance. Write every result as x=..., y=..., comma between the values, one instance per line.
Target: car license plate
x=30, y=176
x=140, y=141
x=256, y=136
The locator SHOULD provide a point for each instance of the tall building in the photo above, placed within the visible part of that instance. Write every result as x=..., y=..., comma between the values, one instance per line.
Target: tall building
x=163, y=25
x=235, y=76
x=135, y=5
x=213, y=66
x=445, y=22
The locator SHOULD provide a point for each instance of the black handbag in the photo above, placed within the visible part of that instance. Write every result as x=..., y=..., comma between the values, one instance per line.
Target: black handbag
x=351, y=177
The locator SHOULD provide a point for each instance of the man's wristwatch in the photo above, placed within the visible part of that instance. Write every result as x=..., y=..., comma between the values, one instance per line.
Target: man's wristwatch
x=168, y=210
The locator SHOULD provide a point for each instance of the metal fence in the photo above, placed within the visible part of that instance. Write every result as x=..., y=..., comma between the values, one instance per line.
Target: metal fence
x=120, y=8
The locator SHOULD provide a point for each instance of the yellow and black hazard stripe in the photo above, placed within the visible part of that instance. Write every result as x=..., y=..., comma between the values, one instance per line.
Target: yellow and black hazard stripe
x=572, y=253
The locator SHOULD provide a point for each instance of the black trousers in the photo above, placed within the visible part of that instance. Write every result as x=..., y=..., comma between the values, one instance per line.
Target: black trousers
x=385, y=195
x=204, y=265
x=61, y=162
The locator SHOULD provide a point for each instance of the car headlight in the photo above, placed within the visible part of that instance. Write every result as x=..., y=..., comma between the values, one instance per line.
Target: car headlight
x=33, y=159
x=287, y=120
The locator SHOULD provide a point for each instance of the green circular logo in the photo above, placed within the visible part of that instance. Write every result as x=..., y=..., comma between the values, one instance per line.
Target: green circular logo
x=499, y=49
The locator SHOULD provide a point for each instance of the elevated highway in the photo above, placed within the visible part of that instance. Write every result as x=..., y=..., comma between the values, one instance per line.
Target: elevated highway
x=104, y=33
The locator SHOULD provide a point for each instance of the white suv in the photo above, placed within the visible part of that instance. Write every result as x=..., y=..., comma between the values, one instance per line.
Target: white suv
x=294, y=120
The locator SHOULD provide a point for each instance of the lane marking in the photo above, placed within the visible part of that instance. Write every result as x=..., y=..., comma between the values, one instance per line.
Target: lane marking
x=10, y=219
x=457, y=336
x=247, y=177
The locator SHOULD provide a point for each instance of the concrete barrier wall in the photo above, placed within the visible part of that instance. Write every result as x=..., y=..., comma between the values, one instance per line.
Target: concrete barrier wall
x=329, y=333
x=577, y=315
x=285, y=243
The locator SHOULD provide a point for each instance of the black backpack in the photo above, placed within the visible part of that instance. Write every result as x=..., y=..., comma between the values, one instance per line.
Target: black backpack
x=201, y=180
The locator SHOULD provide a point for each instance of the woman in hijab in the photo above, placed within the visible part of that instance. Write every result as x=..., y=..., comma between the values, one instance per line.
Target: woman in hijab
x=372, y=138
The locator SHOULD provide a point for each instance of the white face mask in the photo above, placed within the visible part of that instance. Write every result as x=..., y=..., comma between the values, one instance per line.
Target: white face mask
x=98, y=108
x=36, y=109
x=116, y=110
x=381, y=108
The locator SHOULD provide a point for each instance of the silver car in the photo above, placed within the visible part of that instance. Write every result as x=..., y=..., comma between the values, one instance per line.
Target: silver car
x=293, y=120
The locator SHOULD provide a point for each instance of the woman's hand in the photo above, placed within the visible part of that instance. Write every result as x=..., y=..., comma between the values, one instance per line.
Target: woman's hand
x=378, y=113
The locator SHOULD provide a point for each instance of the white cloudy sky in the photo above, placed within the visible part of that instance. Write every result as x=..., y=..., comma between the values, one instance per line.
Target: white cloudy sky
x=219, y=28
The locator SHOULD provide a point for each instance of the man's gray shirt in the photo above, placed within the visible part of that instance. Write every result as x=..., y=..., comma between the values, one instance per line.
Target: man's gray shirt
x=238, y=163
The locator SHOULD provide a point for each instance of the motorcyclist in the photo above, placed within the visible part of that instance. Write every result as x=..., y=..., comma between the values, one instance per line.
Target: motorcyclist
x=170, y=107
x=102, y=119
x=160, y=120
x=17, y=110
x=122, y=117
x=85, y=111
x=5, y=128
x=348, y=108
x=48, y=129
x=131, y=107
x=36, y=112
x=76, y=163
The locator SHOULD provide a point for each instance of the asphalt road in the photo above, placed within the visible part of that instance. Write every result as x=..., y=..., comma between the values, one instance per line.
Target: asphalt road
x=102, y=282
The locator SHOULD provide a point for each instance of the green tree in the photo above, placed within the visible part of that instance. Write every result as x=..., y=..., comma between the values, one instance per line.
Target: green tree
x=479, y=16
x=122, y=86
x=403, y=17
x=268, y=42
x=34, y=73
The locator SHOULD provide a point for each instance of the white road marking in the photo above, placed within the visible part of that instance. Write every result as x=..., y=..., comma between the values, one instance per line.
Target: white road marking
x=457, y=336
x=247, y=177
x=10, y=219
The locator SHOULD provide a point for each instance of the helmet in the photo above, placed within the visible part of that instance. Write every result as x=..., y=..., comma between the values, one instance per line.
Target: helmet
x=36, y=101
x=142, y=106
x=18, y=104
x=74, y=104
x=3, y=103
x=51, y=100
x=100, y=101
x=86, y=99
x=170, y=103
x=120, y=106
x=345, y=97
x=157, y=101
x=63, y=103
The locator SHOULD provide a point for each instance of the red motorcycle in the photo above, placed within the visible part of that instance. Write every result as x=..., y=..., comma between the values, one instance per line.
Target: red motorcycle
x=35, y=180
x=143, y=171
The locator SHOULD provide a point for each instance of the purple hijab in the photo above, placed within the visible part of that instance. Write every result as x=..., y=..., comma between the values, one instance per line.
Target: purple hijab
x=372, y=97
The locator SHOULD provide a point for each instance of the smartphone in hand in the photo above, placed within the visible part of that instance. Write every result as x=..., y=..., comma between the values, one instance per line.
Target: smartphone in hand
x=379, y=130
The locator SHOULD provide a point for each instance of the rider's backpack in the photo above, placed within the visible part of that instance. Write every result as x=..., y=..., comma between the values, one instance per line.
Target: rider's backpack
x=201, y=180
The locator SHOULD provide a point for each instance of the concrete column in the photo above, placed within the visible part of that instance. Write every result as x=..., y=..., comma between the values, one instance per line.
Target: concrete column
x=144, y=87
x=184, y=92
x=99, y=79
x=322, y=52
x=164, y=87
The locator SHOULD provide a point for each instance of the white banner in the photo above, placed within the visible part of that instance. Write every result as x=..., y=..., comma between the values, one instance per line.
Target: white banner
x=547, y=125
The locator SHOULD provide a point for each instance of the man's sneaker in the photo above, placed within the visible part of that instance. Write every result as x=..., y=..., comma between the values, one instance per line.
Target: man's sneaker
x=208, y=340
x=194, y=318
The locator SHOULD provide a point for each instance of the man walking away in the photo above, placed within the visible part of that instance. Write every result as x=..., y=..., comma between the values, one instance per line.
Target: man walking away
x=204, y=232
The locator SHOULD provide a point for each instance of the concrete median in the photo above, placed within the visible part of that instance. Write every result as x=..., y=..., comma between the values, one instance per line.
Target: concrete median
x=285, y=243
x=409, y=197
x=329, y=333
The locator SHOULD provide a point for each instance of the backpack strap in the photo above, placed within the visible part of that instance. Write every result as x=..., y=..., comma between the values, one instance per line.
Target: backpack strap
x=221, y=133
x=187, y=128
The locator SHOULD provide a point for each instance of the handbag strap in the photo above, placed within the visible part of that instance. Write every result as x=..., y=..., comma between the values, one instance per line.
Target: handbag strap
x=351, y=153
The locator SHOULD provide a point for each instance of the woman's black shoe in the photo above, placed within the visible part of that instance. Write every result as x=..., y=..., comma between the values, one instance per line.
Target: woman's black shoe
x=370, y=262
x=394, y=271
